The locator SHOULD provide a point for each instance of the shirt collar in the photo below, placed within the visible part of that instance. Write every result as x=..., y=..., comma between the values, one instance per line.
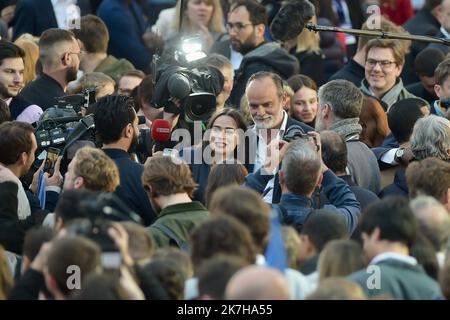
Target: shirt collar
x=394, y=256
x=445, y=33
x=61, y=2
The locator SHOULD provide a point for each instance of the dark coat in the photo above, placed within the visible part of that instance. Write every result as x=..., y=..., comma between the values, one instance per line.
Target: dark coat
x=130, y=190
x=42, y=92
x=399, y=187
x=35, y=17
x=126, y=25
x=266, y=57
x=352, y=72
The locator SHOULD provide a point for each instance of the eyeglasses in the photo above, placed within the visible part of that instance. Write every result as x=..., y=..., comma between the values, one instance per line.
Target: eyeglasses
x=79, y=54
x=383, y=63
x=238, y=26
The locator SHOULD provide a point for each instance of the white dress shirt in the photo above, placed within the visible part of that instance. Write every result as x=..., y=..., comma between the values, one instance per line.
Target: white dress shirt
x=261, y=153
x=65, y=11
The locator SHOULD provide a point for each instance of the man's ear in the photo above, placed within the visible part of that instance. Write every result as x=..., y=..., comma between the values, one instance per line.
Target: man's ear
x=78, y=183
x=50, y=282
x=319, y=180
x=23, y=158
x=376, y=233
x=437, y=90
x=127, y=132
x=260, y=30
x=281, y=178
x=59, y=223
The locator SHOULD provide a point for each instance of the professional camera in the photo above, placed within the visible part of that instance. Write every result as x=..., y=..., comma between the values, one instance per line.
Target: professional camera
x=101, y=209
x=294, y=132
x=180, y=78
x=63, y=123
x=196, y=89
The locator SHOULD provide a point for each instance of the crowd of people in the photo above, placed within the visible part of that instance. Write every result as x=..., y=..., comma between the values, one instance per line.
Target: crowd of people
x=320, y=171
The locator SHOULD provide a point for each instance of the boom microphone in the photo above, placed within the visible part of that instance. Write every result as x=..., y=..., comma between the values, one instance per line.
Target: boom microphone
x=161, y=130
x=291, y=19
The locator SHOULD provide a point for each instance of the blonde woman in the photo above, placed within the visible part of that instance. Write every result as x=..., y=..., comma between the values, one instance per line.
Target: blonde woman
x=200, y=17
x=309, y=56
x=29, y=44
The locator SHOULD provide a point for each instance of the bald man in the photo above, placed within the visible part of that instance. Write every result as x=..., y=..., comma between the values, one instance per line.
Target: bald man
x=257, y=283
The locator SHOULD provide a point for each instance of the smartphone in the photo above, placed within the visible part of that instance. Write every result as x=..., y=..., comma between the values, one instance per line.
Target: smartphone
x=50, y=160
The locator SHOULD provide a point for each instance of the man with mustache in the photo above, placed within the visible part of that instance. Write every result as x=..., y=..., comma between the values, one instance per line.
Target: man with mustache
x=266, y=97
x=246, y=26
x=59, y=54
x=116, y=124
x=11, y=82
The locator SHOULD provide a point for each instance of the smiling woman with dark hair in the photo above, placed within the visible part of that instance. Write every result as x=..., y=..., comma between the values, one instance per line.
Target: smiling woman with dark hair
x=221, y=143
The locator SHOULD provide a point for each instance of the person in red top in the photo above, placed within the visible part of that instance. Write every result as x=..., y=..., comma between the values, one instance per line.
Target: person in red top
x=398, y=11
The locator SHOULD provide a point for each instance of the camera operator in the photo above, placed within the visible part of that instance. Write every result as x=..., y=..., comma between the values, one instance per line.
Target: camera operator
x=11, y=82
x=60, y=54
x=116, y=124
x=18, y=145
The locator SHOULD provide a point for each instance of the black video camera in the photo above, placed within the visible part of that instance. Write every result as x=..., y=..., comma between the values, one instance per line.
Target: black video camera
x=196, y=89
x=294, y=132
x=57, y=125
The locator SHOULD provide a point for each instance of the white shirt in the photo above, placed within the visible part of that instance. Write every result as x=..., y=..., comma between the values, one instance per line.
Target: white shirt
x=261, y=153
x=396, y=256
x=65, y=12
x=236, y=59
x=445, y=33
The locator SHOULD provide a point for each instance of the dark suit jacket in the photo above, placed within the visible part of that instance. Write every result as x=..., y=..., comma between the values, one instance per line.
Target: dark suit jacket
x=35, y=17
x=130, y=190
x=126, y=25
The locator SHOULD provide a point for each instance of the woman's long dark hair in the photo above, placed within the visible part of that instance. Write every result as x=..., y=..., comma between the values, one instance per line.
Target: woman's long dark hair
x=240, y=123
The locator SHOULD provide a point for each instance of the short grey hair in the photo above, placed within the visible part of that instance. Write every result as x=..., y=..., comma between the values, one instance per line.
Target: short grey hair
x=344, y=98
x=434, y=220
x=431, y=138
x=301, y=166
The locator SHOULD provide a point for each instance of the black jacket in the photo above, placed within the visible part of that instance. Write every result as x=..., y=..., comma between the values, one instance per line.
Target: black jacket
x=363, y=195
x=399, y=187
x=418, y=90
x=42, y=92
x=130, y=190
x=423, y=24
x=352, y=72
x=12, y=230
x=35, y=17
x=266, y=57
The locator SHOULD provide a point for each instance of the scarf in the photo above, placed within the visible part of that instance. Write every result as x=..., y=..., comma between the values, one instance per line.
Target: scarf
x=348, y=129
x=23, y=208
x=394, y=94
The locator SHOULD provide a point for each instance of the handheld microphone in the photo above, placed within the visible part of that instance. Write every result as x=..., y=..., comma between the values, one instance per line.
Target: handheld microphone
x=161, y=130
x=289, y=22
